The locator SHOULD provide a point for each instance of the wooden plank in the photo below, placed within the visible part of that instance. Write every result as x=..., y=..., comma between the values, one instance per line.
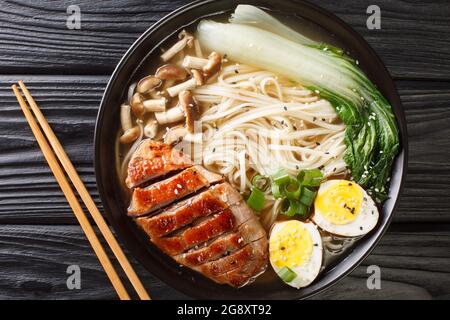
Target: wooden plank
x=34, y=260
x=413, y=40
x=29, y=194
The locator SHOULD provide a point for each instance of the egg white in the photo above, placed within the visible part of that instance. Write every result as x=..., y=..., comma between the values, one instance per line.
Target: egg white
x=364, y=222
x=308, y=271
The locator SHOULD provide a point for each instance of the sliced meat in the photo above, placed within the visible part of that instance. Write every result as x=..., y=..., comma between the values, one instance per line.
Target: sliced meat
x=245, y=274
x=154, y=159
x=203, y=230
x=254, y=253
x=213, y=200
x=242, y=212
x=160, y=194
x=214, y=232
x=248, y=232
x=212, y=227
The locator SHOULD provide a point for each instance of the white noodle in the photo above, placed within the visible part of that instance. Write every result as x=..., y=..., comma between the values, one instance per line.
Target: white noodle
x=257, y=122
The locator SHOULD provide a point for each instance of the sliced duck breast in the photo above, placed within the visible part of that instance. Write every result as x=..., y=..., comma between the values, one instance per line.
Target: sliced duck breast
x=246, y=233
x=154, y=159
x=213, y=200
x=193, y=216
x=196, y=235
x=162, y=193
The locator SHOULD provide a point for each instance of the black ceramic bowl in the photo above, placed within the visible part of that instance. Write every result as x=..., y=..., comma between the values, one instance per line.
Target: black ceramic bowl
x=131, y=67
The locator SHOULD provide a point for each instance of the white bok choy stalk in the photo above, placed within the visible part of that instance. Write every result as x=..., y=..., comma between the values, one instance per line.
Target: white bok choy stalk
x=251, y=15
x=371, y=133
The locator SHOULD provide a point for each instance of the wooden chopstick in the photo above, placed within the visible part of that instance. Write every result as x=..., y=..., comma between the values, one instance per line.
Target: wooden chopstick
x=71, y=198
x=84, y=194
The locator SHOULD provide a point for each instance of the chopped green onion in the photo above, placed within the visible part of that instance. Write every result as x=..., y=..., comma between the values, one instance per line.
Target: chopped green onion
x=301, y=176
x=302, y=210
x=286, y=274
x=289, y=207
x=292, y=190
x=261, y=182
x=307, y=196
x=281, y=177
x=276, y=191
x=310, y=178
x=256, y=199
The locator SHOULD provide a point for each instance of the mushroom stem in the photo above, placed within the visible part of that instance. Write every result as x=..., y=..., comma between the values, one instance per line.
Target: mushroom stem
x=198, y=48
x=172, y=115
x=151, y=128
x=168, y=83
x=187, y=85
x=185, y=39
x=125, y=117
x=155, y=105
x=191, y=62
x=130, y=135
x=172, y=51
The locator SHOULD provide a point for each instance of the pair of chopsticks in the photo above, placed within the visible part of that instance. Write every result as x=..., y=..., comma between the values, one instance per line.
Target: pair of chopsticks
x=54, y=152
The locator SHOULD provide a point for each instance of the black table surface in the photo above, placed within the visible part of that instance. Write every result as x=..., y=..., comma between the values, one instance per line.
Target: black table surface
x=67, y=71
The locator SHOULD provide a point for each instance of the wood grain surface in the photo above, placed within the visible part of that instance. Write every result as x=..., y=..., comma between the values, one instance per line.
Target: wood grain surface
x=67, y=71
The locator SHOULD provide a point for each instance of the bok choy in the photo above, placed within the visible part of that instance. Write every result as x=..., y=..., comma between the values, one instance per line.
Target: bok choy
x=256, y=38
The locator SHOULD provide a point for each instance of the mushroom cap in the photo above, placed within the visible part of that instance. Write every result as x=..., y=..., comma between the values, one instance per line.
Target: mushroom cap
x=198, y=76
x=190, y=108
x=137, y=105
x=213, y=65
x=148, y=84
x=171, y=71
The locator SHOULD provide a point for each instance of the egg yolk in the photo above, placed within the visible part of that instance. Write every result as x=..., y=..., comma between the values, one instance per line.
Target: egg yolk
x=291, y=246
x=340, y=202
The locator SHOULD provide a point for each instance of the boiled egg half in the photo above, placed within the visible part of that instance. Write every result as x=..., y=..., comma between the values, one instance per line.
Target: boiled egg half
x=295, y=251
x=344, y=208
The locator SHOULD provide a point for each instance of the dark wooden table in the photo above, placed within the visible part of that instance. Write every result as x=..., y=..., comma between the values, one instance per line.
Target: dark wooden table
x=67, y=71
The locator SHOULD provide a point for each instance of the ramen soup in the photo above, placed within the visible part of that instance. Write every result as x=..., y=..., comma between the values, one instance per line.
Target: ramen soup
x=288, y=120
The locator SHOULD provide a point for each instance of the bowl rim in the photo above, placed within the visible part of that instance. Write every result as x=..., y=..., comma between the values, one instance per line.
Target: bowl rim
x=399, y=114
